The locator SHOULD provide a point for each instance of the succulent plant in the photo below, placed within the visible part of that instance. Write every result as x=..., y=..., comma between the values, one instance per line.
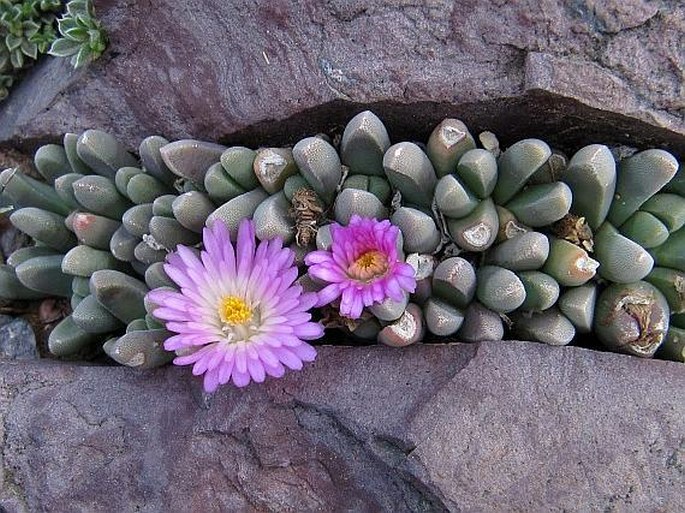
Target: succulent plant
x=28, y=30
x=83, y=36
x=524, y=241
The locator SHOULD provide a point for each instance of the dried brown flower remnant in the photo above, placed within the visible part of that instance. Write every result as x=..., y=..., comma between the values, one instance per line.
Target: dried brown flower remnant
x=306, y=211
x=575, y=230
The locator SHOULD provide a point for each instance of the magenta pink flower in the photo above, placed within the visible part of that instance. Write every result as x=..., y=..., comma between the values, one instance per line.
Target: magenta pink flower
x=238, y=314
x=361, y=266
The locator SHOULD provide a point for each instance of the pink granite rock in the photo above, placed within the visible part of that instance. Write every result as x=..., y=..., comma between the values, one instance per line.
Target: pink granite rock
x=272, y=72
x=494, y=426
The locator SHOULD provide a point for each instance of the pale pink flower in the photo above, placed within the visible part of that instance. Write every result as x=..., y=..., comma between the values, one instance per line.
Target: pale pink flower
x=361, y=267
x=238, y=314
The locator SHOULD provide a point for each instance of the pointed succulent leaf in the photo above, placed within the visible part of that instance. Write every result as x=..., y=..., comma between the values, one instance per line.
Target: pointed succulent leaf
x=64, y=47
x=190, y=159
x=221, y=187
x=477, y=169
x=103, y=153
x=542, y=291
x=640, y=177
x=144, y=188
x=569, y=264
x=620, y=259
x=140, y=349
x=364, y=142
x=351, y=202
x=155, y=276
x=541, y=205
x=478, y=230
x=442, y=319
x=591, y=175
x=233, y=211
x=123, y=245
x=170, y=233
x=410, y=171
x=480, y=323
x=453, y=198
x=499, y=289
x=645, y=229
x=517, y=165
x=120, y=294
x=70, y=143
x=92, y=317
x=454, y=280
x=25, y=191
x=84, y=261
x=44, y=274
x=44, y=226
x=51, y=162
x=163, y=205
x=123, y=176
x=320, y=165
x=23, y=254
x=448, y=142
x=578, y=305
x=64, y=187
x=191, y=209
x=421, y=234
x=527, y=252
x=237, y=161
x=550, y=327
x=68, y=338
x=13, y=289
x=93, y=230
x=668, y=208
x=99, y=195
x=136, y=219
x=672, y=252
x=152, y=159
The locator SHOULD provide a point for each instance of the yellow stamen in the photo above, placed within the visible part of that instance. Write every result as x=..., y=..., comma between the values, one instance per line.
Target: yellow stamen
x=368, y=266
x=233, y=310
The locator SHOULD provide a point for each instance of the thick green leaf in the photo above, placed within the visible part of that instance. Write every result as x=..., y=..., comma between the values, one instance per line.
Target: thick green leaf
x=12, y=42
x=64, y=47
x=64, y=24
x=17, y=59
x=82, y=57
x=29, y=49
x=77, y=34
x=76, y=7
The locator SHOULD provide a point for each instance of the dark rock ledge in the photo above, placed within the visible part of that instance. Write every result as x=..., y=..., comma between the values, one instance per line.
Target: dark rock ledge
x=270, y=72
x=509, y=426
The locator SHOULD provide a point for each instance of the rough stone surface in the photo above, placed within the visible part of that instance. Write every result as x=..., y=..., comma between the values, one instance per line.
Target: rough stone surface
x=17, y=339
x=272, y=72
x=497, y=426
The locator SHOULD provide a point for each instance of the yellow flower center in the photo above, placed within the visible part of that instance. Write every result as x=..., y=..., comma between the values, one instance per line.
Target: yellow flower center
x=368, y=266
x=234, y=311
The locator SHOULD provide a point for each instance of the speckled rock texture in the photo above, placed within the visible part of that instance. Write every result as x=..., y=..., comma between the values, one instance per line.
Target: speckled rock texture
x=505, y=426
x=270, y=72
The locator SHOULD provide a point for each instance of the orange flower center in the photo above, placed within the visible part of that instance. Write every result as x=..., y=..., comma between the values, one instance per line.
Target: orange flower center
x=233, y=311
x=368, y=266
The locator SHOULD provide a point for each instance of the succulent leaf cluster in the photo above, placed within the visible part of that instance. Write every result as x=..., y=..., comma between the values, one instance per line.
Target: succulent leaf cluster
x=27, y=29
x=524, y=242
x=83, y=36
